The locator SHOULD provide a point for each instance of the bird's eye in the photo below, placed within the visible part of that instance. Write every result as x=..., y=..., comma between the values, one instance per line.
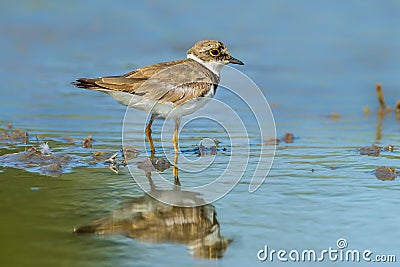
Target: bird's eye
x=215, y=52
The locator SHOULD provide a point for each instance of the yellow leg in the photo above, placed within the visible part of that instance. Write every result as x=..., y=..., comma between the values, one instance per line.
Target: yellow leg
x=175, y=140
x=175, y=170
x=175, y=137
x=148, y=134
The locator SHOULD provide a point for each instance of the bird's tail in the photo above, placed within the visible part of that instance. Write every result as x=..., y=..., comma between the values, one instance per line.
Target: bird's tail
x=87, y=83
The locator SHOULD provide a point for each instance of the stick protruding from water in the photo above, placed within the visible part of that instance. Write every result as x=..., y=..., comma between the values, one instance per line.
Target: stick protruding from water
x=397, y=110
x=383, y=109
x=381, y=100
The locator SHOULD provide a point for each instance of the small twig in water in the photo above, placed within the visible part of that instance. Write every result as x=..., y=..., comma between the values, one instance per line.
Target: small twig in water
x=383, y=109
x=397, y=110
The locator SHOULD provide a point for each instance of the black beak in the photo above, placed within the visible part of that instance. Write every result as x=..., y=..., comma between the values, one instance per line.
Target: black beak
x=235, y=61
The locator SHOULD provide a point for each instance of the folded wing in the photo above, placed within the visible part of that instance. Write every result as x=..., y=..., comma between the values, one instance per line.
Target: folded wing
x=170, y=82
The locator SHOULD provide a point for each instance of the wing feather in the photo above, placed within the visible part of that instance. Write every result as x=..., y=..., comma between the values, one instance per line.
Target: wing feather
x=174, y=81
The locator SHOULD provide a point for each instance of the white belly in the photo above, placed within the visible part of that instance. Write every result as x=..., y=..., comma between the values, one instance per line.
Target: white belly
x=163, y=109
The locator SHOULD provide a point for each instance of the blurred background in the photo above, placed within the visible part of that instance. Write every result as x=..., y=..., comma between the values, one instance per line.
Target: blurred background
x=333, y=50
x=311, y=59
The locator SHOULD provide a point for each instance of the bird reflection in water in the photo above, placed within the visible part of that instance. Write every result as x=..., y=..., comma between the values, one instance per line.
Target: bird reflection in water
x=150, y=220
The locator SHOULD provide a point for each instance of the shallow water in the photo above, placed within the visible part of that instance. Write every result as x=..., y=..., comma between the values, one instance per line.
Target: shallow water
x=309, y=60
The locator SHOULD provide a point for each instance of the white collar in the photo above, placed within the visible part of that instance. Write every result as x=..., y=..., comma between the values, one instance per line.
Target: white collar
x=215, y=67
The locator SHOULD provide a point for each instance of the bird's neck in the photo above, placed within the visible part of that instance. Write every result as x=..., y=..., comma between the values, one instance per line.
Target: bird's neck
x=215, y=67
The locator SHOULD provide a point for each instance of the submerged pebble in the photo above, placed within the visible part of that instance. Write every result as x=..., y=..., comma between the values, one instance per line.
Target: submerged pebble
x=287, y=138
x=386, y=173
x=370, y=150
x=87, y=142
x=335, y=116
x=49, y=164
x=375, y=150
x=130, y=153
x=204, y=151
x=14, y=137
x=389, y=148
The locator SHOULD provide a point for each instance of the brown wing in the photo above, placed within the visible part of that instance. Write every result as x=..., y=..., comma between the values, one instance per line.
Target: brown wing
x=174, y=81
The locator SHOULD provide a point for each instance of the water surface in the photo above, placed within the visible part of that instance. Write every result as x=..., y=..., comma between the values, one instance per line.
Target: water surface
x=309, y=59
